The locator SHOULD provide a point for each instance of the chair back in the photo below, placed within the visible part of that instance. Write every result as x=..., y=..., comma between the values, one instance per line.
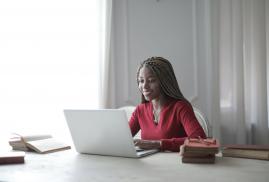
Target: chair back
x=128, y=110
x=203, y=121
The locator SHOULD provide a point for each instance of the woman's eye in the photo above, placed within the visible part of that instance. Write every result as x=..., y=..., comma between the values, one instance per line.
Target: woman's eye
x=151, y=80
x=148, y=80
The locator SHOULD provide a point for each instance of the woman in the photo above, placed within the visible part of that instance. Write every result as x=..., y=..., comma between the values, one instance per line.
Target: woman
x=164, y=116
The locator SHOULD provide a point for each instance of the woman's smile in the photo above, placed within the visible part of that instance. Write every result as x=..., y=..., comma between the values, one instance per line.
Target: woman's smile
x=147, y=92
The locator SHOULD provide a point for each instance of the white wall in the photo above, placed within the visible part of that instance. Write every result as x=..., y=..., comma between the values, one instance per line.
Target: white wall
x=175, y=29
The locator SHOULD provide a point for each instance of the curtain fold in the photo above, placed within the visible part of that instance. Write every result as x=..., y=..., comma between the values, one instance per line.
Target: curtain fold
x=242, y=75
x=106, y=65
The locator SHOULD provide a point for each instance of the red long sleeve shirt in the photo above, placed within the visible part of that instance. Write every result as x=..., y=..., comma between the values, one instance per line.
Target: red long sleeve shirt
x=177, y=121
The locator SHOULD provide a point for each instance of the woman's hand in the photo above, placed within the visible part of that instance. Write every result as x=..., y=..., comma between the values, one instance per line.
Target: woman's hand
x=147, y=144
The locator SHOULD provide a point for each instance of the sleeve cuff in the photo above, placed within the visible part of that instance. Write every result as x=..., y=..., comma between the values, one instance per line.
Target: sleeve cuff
x=165, y=144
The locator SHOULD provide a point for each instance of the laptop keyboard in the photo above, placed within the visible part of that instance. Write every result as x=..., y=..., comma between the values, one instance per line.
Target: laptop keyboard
x=139, y=149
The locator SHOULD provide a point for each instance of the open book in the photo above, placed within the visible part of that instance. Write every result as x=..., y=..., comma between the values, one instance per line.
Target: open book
x=39, y=143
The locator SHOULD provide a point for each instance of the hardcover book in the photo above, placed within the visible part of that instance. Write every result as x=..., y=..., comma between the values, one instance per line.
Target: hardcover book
x=12, y=157
x=198, y=150
x=205, y=159
x=246, y=151
x=199, y=145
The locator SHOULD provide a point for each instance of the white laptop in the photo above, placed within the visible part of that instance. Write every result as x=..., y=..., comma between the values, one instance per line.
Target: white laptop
x=102, y=132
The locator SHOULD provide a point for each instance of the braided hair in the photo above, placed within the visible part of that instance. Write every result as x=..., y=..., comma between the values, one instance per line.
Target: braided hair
x=164, y=72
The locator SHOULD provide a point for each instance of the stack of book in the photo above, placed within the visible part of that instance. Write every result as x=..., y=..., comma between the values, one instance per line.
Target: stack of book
x=198, y=150
x=40, y=143
x=246, y=151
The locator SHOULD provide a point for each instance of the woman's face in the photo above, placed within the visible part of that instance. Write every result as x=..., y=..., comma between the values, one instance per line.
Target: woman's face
x=148, y=84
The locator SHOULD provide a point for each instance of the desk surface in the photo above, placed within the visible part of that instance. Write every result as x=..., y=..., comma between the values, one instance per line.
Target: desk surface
x=70, y=166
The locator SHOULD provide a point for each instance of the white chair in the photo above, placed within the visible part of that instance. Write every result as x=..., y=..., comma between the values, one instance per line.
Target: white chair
x=129, y=110
x=203, y=121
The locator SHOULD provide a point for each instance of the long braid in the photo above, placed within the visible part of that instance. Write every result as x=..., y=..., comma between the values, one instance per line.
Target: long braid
x=163, y=70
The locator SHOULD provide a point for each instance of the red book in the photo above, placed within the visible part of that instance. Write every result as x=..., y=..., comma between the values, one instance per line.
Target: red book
x=200, y=145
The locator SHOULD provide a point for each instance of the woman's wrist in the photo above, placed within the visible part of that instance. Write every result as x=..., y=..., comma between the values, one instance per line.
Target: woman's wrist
x=149, y=144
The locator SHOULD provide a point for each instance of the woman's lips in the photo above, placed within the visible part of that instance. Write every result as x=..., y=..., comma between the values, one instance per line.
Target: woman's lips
x=146, y=93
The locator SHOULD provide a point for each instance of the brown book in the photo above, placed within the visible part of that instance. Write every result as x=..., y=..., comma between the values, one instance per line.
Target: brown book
x=12, y=157
x=202, y=155
x=200, y=160
x=246, y=151
x=246, y=146
x=38, y=143
x=198, y=150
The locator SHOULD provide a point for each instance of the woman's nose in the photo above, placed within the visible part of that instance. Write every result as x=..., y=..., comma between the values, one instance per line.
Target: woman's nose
x=146, y=84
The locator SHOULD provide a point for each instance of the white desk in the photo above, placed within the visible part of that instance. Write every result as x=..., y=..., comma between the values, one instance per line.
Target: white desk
x=69, y=166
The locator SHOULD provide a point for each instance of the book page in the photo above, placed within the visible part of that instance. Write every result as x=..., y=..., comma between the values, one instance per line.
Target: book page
x=28, y=137
x=47, y=145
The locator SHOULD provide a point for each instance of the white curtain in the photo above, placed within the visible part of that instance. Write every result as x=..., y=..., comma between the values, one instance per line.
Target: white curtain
x=238, y=109
x=106, y=75
x=241, y=55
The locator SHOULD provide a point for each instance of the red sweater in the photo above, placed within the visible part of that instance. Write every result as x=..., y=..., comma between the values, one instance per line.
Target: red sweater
x=177, y=121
